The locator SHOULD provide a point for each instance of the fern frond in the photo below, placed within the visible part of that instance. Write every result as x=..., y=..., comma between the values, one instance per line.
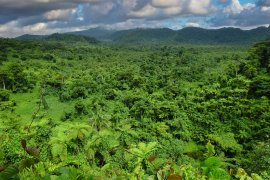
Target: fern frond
x=9, y=172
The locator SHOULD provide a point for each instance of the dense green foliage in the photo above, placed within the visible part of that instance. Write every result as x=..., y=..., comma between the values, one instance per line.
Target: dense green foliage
x=95, y=111
x=70, y=38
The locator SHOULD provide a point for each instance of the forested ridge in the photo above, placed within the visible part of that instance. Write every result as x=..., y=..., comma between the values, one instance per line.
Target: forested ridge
x=188, y=35
x=90, y=110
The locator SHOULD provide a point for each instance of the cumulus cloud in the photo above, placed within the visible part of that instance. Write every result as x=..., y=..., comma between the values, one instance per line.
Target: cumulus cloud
x=234, y=8
x=200, y=7
x=36, y=27
x=192, y=24
x=15, y=9
x=12, y=28
x=183, y=7
x=146, y=11
x=45, y=16
x=59, y=14
x=171, y=11
x=166, y=3
x=243, y=15
x=265, y=8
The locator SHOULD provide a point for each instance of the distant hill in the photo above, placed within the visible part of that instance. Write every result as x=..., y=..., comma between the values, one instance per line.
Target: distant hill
x=189, y=35
x=70, y=38
x=59, y=38
x=221, y=36
x=31, y=37
x=143, y=35
x=98, y=33
x=193, y=35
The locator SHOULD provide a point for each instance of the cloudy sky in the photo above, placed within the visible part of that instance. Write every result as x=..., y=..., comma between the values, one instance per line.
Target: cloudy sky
x=19, y=17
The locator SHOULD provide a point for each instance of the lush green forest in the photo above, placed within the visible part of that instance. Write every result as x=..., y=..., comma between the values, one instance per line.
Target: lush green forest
x=89, y=110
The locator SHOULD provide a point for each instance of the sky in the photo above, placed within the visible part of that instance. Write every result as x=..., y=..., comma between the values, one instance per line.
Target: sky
x=19, y=17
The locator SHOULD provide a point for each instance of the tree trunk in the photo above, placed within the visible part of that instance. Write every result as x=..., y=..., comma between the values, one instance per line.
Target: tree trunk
x=4, y=85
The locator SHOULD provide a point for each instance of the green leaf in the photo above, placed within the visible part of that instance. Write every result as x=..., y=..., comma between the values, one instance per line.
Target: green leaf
x=256, y=176
x=210, y=149
x=26, y=163
x=212, y=163
x=9, y=172
x=241, y=174
x=219, y=174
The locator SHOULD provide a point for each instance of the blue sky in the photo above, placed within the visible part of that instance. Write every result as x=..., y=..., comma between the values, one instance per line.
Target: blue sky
x=247, y=1
x=19, y=17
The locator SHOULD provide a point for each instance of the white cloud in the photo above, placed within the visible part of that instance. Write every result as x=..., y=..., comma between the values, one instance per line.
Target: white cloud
x=5, y=28
x=192, y=24
x=59, y=14
x=129, y=4
x=200, y=7
x=249, y=6
x=146, y=11
x=236, y=7
x=246, y=15
x=12, y=29
x=265, y=9
x=171, y=11
x=36, y=27
x=102, y=8
x=166, y=3
x=44, y=16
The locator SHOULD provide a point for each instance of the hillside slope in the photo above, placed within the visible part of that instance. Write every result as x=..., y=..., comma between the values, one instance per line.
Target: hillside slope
x=189, y=35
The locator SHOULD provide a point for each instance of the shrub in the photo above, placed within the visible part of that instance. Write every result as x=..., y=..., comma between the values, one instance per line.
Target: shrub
x=4, y=95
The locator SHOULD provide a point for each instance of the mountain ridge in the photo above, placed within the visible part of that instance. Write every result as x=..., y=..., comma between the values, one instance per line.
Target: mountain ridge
x=192, y=35
x=59, y=38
